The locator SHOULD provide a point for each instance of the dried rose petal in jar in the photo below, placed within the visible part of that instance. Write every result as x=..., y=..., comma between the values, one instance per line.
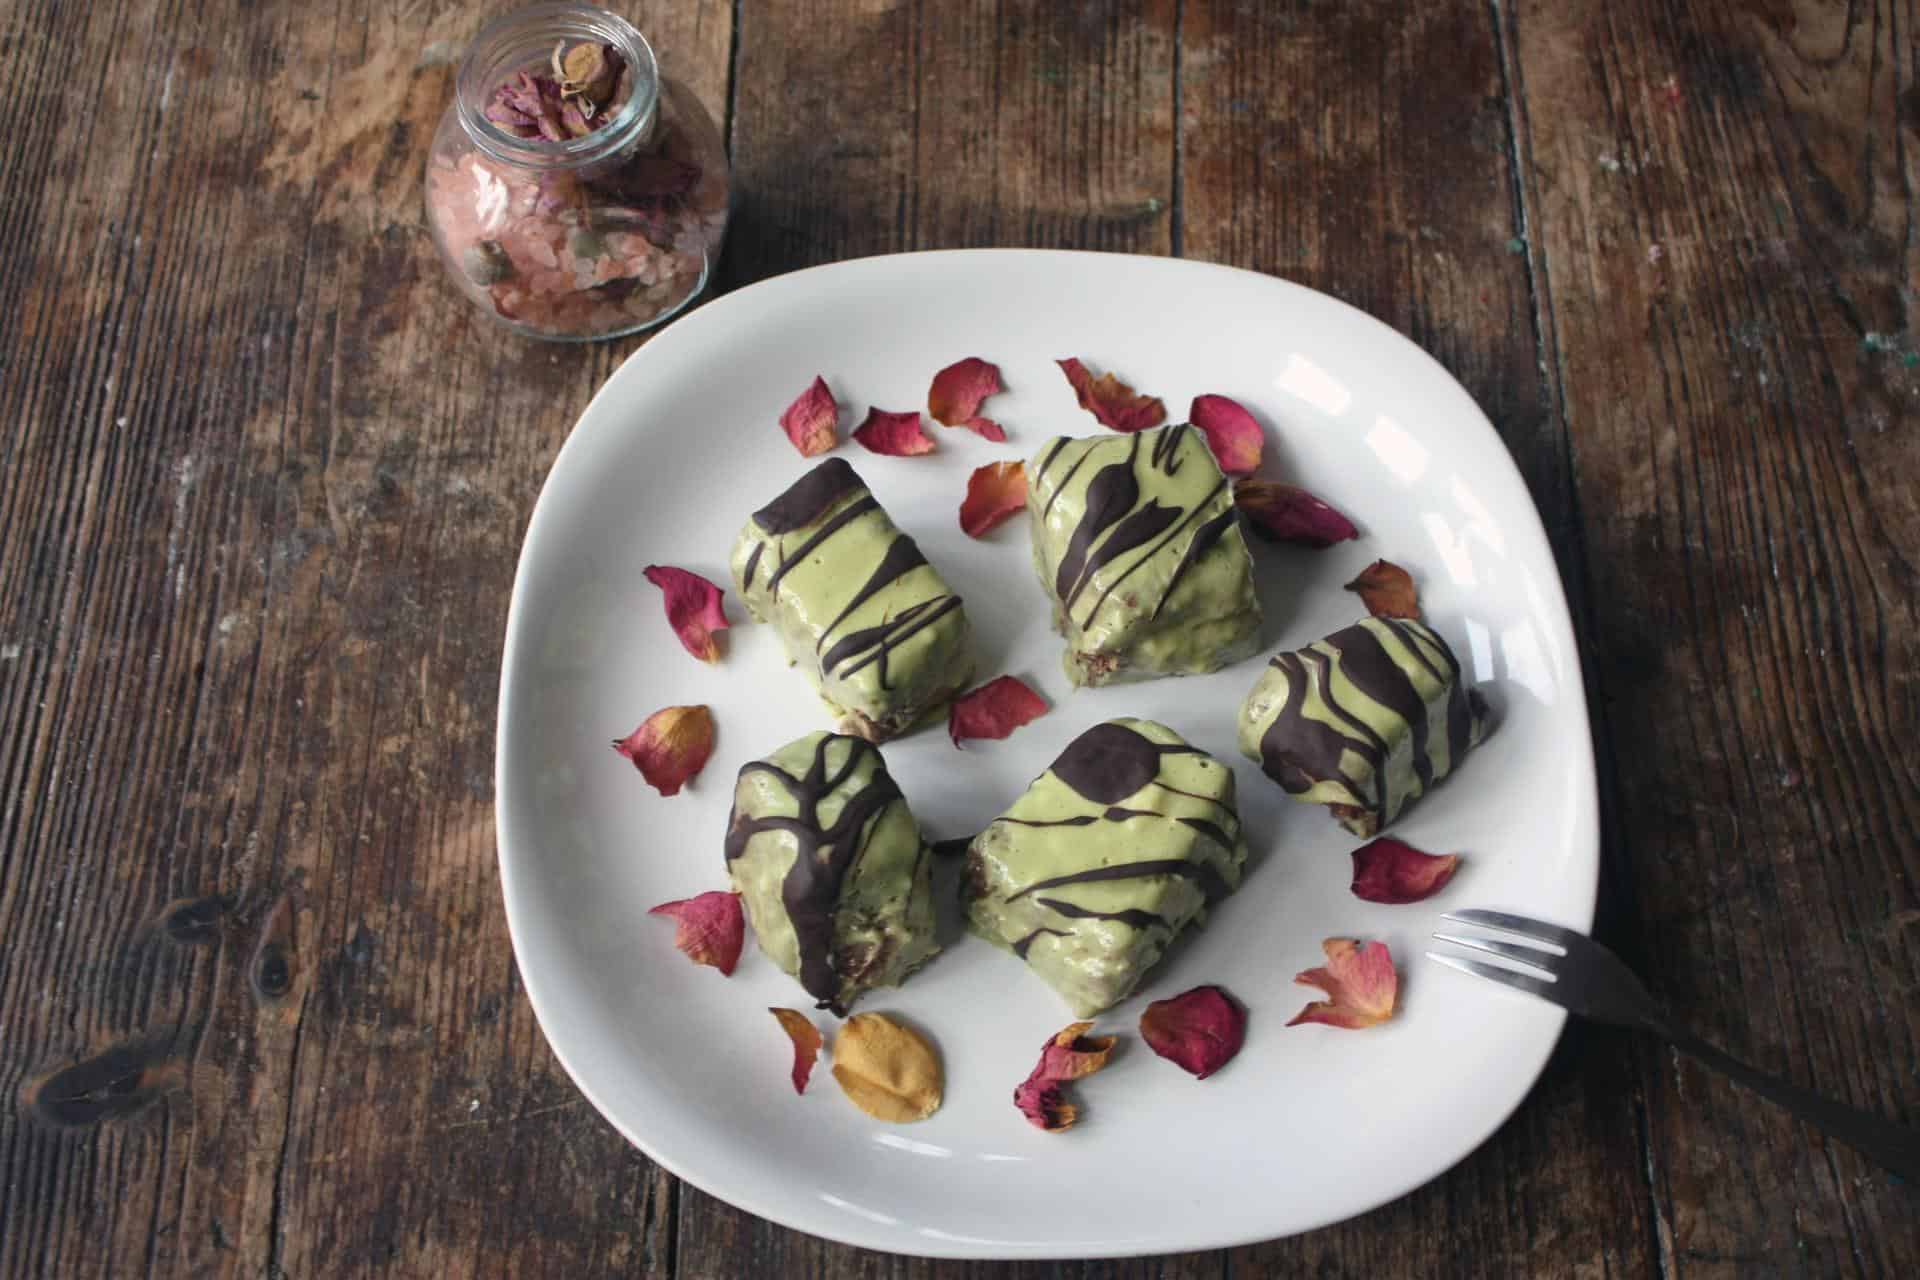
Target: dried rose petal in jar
x=573, y=191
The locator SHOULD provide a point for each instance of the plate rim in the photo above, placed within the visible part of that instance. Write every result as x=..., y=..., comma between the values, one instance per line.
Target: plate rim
x=715, y=312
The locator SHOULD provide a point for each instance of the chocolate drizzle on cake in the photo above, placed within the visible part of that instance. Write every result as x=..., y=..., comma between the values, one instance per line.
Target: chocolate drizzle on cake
x=809, y=497
x=811, y=891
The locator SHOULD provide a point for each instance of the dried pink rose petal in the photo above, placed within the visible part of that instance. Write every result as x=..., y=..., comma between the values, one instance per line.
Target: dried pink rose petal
x=1388, y=870
x=693, y=608
x=1112, y=401
x=954, y=399
x=709, y=928
x=670, y=747
x=1198, y=1030
x=994, y=710
x=1288, y=513
x=1070, y=1055
x=898, y=435
x=1360, y=983
x=809, y=420
x=994, y=493
x=1231, y=432
x=806, y=1044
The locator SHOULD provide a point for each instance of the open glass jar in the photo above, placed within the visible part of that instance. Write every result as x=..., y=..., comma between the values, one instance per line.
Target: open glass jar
x=573, y=191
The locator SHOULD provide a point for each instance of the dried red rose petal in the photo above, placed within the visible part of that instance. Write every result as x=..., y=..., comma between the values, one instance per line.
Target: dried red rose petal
x=693, y=607
x=1288, y=513
x=1231, y=432
x=994, y=710
x=809, y=420
x=954, y=399
x=1360, y=983
x=709, y=928
x=1388, y=870
x=898, y=435
x=670, y=747
x=1070, y=1055
x=1112, y=401
x=1387, y=590
x=806, y=1044
x=1198, y=1030
x=994, y=493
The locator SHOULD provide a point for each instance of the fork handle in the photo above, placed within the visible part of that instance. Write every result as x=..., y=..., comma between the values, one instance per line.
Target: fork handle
x=1895, y=1146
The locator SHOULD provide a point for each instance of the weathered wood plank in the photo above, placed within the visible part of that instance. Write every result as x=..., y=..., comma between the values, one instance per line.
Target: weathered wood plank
x=1367, y=151
x=265, y=477
x=1722, y=199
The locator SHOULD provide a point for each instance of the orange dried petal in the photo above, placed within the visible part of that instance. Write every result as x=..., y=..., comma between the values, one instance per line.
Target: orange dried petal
x=693, y=608
x=1360, y=983
x=1112, y=401
x=809, y=421
x=1231, y=432
x=806, y=1044
x=1288, y=513
x=1391, y=871
x=954, y=398
x=1387, y=590
x=994, y=493
x=887, y=1070
x=897, y=435
x=1199, y=1030
x=1069, y=1055
x=670, y=747
x=994, y=710
x=709, y=928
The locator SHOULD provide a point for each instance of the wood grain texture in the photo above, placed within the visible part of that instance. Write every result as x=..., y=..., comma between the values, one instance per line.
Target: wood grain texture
x=265, y=475
x=1723, y=199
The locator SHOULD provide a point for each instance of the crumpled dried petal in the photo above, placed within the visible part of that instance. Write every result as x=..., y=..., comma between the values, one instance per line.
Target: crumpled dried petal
x=809, y=421
x=1387, y=590
x=1360, y=983
x=994, y=493
x=994, y=710
x=1288, y=513
x=1198, y=1030
x=529, y=106
x=1069, y=1055
x=1388, y=870
x=898, y=435
x=887, y=1070
x=670, y=747
x=709, y=928
x=954, y=399
x=590, y=70
x=693, y=607
x=1231, y=432
x=806, y=1044
x=1112, y=401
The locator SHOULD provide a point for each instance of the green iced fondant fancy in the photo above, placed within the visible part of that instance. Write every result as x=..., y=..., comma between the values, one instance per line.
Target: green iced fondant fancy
x=1111, y=852
x=831, y=868
x=857, y=606
x=1365, y=721
x=1136, y=541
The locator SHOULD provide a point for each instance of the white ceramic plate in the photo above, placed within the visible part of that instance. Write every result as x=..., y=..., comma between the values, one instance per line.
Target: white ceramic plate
x=1310, y=1124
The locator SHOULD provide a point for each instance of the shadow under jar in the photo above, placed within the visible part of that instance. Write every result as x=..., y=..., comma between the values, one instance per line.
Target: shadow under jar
x=574, y=192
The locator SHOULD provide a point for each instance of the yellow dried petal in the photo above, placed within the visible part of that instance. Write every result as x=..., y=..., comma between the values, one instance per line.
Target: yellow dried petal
x=887, y=1070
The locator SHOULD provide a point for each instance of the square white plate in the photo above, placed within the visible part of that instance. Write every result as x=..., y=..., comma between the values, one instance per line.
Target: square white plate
x=1309, y=1124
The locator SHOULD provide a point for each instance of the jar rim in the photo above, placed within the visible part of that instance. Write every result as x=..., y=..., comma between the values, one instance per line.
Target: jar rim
x=508, y=43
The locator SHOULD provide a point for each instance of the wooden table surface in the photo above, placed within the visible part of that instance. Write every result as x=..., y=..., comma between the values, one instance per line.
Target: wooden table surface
x=265, y=478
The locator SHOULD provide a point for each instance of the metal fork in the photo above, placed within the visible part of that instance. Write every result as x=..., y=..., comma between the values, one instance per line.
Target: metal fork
x=1585, y=977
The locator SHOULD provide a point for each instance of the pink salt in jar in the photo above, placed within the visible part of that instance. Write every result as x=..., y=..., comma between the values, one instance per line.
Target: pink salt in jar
x=573, y=191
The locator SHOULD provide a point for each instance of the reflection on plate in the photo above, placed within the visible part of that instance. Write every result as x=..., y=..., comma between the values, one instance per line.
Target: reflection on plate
x=1309, y=1124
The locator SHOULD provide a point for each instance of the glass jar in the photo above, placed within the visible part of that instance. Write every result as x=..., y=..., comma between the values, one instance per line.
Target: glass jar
x=567, y=218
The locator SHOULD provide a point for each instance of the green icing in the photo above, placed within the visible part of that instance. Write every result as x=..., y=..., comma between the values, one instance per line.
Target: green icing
x=1366, y=720
x=1125, y=511
x=879, y=907
x=918, y=653
x=1093, y=939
